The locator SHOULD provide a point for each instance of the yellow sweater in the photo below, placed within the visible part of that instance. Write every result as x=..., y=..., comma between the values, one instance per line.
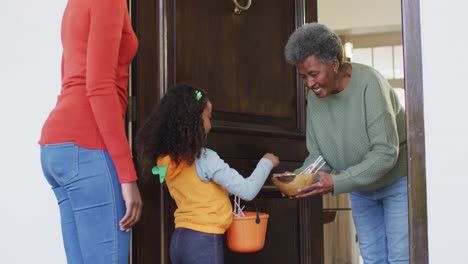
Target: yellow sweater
x=201, y=206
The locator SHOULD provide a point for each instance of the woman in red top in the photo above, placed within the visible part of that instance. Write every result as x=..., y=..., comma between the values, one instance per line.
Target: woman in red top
x=85, y=153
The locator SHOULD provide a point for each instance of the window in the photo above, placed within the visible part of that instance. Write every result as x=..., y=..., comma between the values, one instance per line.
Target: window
x=388, y=60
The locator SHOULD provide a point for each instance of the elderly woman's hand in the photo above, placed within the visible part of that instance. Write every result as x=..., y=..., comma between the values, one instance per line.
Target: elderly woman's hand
x=323, y=186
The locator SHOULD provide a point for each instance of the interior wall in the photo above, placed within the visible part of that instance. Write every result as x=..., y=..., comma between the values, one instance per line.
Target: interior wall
x=30, y=53
x=446, y=127
x=375, y=39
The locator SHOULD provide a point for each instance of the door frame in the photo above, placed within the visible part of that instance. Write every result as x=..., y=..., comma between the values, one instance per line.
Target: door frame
x=417, y=206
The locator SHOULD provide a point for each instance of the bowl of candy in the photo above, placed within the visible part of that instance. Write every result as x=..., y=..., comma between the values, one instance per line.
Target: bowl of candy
x=290, y=183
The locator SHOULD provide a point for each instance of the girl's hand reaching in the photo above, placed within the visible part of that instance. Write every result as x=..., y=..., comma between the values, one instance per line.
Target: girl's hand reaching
x=274, y=159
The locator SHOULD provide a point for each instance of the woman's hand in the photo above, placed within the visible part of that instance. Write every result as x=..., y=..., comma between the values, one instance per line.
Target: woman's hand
x=133, y=203
x=274, y=159
x=323, y=186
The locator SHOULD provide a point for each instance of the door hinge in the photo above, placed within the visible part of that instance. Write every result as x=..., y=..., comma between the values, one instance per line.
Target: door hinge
x=131, y=109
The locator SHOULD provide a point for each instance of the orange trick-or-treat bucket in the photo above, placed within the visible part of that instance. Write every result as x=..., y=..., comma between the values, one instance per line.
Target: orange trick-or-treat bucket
x=247, y=233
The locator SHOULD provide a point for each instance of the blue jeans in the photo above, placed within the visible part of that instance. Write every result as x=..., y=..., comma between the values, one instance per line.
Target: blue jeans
x=381, y=220
x=194, y=247
x=90, y=200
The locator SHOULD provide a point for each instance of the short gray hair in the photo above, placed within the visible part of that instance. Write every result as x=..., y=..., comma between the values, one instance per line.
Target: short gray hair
x=313, y=39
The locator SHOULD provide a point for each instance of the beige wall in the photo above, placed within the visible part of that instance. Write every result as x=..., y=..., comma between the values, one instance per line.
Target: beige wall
x=375, y=39
x=360, y=15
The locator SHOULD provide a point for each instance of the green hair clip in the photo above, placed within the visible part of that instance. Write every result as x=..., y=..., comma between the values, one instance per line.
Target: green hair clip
x=161, y=171
x=198, y=95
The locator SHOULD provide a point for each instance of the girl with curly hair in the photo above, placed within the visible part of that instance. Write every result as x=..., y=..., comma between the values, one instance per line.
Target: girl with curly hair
x=199, y=181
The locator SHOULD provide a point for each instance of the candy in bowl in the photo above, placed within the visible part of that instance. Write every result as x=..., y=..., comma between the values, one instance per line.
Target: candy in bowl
x=290, y=183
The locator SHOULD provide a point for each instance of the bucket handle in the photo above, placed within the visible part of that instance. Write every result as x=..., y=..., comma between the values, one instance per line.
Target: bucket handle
x=257, y=219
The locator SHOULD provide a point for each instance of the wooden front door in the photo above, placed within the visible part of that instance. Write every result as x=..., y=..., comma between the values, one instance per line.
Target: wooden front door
x=258, y=107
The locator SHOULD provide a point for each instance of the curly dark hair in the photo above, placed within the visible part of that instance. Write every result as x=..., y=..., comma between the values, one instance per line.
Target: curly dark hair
x=174, y=128
x=313, y=39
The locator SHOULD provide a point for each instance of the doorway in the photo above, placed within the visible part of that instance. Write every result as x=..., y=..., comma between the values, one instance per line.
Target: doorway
x=155, y=68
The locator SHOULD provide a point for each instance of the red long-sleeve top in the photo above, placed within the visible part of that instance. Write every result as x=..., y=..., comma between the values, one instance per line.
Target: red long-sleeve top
x=98, y=46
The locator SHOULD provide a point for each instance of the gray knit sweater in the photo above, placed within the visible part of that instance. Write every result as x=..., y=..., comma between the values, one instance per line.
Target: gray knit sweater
x=360, y=132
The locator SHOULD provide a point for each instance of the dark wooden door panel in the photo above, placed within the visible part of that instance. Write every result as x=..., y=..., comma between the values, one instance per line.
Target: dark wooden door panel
x=239, y=60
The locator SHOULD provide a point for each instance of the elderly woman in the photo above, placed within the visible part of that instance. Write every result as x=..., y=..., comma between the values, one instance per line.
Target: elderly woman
x=356, y=123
